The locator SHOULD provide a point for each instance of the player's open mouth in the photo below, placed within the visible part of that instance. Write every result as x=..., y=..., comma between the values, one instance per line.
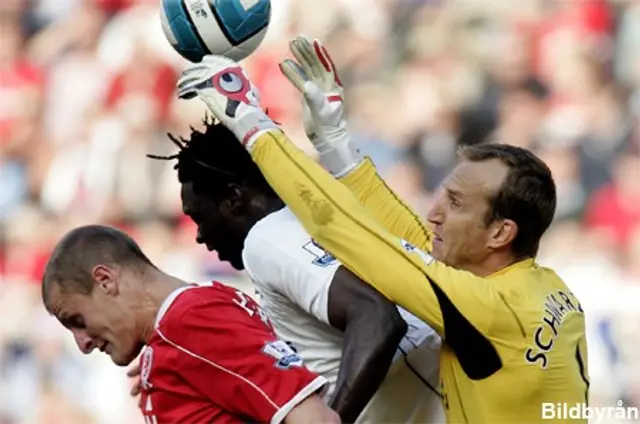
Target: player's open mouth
x=103, y=348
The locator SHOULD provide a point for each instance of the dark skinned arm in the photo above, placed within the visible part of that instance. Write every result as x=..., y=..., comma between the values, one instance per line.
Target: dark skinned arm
x=373, y=328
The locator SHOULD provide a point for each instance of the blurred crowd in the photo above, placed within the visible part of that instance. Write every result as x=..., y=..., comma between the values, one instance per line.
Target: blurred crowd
x=87, y=90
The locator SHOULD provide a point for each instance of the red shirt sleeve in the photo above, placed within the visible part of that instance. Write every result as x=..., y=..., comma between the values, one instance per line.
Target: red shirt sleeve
x=229, y=353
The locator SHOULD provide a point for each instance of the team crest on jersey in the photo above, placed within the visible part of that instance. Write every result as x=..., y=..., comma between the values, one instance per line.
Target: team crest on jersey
x=322, y=257
x=427, y=258
x=145, y=367
x=284, y=355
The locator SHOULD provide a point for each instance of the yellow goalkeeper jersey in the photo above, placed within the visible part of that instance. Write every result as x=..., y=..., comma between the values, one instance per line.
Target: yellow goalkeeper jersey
x=514, y=342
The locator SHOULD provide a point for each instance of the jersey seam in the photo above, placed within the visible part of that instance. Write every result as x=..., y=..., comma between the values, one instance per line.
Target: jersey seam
x=516, y=318
x=217, y=366
x=518, y=324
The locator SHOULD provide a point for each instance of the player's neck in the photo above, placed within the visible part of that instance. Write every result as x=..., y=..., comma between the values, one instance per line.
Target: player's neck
x=266, y=205
x=157, y=288
x=272, y=204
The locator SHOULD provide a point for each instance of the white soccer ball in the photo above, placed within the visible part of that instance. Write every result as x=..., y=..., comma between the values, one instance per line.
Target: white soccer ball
x=231, y=28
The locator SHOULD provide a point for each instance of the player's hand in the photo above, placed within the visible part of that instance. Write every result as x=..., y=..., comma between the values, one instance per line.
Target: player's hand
x=223, y=85
x=314, y=74
x=134, y=372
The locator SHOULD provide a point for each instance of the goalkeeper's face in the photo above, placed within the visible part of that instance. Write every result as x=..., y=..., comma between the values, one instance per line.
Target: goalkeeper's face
x=463, y=239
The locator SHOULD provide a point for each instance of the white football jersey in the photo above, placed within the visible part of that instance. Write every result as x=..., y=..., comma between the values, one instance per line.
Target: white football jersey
x=292, y=275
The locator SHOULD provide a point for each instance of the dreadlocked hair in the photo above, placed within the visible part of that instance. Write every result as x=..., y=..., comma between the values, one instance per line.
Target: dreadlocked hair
x=214, y=159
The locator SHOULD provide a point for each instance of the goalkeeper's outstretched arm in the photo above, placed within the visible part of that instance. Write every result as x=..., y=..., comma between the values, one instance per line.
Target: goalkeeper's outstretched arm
x=339, y=222
x=386, y=206
x=315, y=76
x=441, y=296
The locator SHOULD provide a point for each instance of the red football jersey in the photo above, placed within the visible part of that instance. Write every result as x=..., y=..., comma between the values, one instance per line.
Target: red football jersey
x=214, y=358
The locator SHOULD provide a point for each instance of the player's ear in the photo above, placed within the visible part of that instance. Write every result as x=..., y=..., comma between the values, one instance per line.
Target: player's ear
x=234, y=203
x=503, y=232
x=105, y=279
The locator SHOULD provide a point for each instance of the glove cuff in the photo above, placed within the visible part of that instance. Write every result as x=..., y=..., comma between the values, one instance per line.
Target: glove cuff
x=251, y=126
x=339, y=157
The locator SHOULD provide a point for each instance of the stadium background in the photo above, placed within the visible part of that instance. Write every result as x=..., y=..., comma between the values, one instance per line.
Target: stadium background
x=86, y=89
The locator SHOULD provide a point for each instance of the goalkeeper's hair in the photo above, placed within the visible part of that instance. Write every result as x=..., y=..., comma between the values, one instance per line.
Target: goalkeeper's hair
x=527, y=195
x=214, y=159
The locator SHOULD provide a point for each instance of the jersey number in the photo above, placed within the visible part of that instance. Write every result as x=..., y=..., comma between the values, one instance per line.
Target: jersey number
x=582, y=366
x=250, y=307
x=243, y=301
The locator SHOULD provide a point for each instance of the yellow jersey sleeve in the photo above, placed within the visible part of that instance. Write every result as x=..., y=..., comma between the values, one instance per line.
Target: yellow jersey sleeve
x=510, y=346
x=385, y=206
x=411, y=278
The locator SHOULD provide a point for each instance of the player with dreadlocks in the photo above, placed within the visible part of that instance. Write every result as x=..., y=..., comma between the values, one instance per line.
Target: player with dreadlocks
x=475, y=279
x=212, y=187
x=342, y=328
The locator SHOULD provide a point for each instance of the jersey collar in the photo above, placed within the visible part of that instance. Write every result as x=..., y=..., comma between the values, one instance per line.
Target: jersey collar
x=523, y=264
x=168, y=301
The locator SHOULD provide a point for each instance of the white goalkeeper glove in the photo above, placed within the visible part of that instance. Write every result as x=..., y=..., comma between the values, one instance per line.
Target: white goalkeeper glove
x=223, y=85
x=315, y=76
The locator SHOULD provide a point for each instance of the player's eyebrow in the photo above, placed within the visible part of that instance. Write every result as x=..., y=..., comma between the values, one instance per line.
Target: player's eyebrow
x=64, y=319
x=71, y=321
x=454, y=193
x=54, y=309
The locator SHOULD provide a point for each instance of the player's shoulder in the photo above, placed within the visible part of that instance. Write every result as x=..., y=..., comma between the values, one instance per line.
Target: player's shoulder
x=214, y=321
x=279, y=241
x=194, y=303
x=280, y=228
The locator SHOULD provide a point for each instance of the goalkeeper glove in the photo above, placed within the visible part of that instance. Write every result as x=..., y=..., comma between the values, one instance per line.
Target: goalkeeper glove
x=315, y=76
x=223, y=85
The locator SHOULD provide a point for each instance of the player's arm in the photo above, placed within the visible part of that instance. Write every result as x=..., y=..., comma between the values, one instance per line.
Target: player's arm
x=385, y=205
x=234, y=360
x=315, y=282
x=467, y=307
x=310, y=411
x=373, y=328
x=337, y=221
x=464, y=309
x=326, y=128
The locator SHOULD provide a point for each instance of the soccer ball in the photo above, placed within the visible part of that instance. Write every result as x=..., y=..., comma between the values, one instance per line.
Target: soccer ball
x=231, y=28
